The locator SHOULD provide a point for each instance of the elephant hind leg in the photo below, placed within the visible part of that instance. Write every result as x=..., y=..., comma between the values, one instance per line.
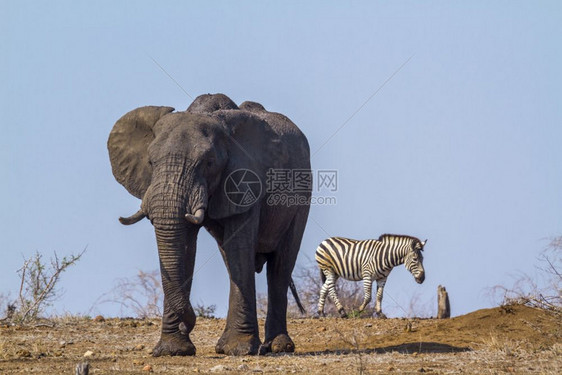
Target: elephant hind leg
x=236, y=343
x=279, y=268
x=241, y=334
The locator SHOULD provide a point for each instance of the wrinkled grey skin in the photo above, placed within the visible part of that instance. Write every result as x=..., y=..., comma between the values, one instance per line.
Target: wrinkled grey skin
x=177, y=163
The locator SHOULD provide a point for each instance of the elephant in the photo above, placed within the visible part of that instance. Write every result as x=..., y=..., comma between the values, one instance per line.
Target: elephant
x=206, y=167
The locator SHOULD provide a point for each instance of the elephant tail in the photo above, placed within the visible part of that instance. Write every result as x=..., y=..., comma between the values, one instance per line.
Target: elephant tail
x=296, y=296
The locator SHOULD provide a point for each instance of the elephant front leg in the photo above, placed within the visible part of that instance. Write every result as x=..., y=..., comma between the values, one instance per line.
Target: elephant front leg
x=241, y=335
x=177, y=259
x=174, y=338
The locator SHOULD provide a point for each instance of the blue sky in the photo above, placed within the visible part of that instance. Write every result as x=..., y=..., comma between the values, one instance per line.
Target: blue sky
x=459, y=142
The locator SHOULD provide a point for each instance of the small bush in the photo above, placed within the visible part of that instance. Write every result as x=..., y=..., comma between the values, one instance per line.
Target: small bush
x=142, y=295
x=38, y=287
x=7, y=307
x=543, y=291
x=203, y=311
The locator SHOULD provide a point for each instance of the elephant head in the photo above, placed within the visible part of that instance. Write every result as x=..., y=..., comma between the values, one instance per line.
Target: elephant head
x=178, y=164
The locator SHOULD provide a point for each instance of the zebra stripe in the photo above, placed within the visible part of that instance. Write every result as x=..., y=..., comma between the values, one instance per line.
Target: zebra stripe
x=366, y=260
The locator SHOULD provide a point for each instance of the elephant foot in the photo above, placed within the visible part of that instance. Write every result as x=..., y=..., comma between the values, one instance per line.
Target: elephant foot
x=238, y=344
x=173, y=344
x=280, y=344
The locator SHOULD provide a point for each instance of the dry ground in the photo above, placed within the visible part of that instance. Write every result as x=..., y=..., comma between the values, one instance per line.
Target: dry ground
x=512, y=339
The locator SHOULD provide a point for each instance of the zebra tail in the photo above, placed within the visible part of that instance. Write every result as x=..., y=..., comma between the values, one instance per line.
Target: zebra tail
x=296, y=296
x=322, y=276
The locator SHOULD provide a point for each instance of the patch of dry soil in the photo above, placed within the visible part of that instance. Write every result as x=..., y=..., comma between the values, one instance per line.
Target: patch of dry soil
x=509, y=339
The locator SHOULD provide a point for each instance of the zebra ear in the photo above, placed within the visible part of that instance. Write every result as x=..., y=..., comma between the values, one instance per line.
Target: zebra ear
x=423, y=243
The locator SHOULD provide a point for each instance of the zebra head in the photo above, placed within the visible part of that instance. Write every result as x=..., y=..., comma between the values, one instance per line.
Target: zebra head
x=414, y=260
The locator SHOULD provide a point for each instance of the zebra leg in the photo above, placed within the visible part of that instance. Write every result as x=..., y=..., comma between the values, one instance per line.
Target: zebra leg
x=323, y=293
x=367, y=287
x=331, y=281
x=378, y=303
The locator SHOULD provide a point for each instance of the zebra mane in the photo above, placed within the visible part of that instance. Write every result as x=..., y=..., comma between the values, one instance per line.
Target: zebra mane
x=387, y=236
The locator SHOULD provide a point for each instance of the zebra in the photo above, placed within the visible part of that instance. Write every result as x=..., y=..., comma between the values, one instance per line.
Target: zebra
x=366, y=260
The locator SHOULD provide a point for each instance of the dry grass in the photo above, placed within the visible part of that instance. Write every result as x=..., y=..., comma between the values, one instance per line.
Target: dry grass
x=504, y=346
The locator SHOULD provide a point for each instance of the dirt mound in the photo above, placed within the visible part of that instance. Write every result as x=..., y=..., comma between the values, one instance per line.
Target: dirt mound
x=471, y=331
x=515, y=322
x=504, y=339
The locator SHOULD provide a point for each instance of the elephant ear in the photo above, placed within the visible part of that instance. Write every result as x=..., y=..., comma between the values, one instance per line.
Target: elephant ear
x=128, y=147
x=253, y=148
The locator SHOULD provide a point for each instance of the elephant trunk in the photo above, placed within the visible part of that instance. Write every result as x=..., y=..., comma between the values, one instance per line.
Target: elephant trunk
x=176, y=250
x=171, y=196
x=177, y=241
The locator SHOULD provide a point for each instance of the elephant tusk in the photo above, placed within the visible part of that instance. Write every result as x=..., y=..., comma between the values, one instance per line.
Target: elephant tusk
x=197, y=218
x=138, y=216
